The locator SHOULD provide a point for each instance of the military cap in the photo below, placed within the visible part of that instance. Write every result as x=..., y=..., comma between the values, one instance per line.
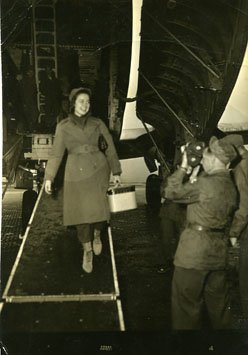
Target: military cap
x=224, y=151
x=234, y=139
x=74, y=92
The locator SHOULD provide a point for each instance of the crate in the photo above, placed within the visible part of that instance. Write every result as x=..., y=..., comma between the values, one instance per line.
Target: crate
x=41, y=147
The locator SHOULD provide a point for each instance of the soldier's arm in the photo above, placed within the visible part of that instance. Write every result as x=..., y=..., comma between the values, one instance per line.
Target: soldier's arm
x=181, y=192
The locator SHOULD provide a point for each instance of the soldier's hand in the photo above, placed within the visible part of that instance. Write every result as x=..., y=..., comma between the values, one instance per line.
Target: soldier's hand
x=184, y=164
x=48, y=187
x=233, y=241
x=193, y=176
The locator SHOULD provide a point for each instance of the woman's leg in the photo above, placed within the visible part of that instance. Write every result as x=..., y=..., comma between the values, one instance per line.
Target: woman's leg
x=97, y=243
x=85, y=236
x=99, y=225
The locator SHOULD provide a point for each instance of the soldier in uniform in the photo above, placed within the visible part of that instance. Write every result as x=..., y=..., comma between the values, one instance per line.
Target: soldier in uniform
x=87, y=173
x=239, y=227
x=199, y=277
x=28, y=92
x=50, y=88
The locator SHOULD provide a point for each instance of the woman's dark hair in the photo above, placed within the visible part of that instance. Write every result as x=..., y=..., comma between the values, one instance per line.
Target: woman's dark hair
x=74, y=94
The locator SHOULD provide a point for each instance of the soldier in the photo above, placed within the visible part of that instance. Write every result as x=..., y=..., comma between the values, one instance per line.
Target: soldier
x=239, y=227
x=50, y=88
x=28, y=92
x=200, y=259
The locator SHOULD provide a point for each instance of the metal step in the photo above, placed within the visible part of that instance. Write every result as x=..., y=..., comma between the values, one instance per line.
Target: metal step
x=50, y=263
x=67, y=317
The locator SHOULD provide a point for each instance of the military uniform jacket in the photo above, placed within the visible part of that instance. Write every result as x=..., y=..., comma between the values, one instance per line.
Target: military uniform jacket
x=87, y=170
x=240, y=220
x=211, y=201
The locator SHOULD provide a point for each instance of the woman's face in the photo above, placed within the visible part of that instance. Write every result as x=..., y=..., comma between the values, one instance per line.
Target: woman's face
x=82, y=105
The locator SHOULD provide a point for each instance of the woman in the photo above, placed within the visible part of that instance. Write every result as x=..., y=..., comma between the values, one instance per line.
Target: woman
x=87, y=172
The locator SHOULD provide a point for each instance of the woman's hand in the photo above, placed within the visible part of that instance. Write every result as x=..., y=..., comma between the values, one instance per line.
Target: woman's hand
x=48, y=187
x=117, y=180
x=233, y=241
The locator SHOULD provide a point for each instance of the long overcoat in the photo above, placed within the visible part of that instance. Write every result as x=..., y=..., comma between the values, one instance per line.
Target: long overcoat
x=87, y=170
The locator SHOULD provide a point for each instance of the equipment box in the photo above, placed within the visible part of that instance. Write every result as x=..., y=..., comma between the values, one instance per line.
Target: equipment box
x=41, y=147
x=122, y=198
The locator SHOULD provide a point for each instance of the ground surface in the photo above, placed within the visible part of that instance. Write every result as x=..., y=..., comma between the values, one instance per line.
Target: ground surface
x=145, y=293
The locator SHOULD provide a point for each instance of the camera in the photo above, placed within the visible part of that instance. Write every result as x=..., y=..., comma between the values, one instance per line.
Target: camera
x=194, y=151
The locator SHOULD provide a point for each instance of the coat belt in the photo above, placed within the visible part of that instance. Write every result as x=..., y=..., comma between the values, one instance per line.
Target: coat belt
x=200, y=228
x=85, y=148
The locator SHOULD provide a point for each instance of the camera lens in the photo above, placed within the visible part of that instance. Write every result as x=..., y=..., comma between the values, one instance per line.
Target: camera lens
x=194, y=152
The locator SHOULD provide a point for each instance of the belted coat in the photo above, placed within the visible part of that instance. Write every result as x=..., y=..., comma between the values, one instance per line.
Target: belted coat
x=87, y=170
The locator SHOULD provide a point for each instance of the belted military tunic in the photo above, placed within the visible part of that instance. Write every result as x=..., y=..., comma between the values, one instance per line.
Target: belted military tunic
x=87, y=170
x=211, y=201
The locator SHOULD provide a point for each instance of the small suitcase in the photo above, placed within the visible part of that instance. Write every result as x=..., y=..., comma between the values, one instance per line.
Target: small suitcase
x=122, y=198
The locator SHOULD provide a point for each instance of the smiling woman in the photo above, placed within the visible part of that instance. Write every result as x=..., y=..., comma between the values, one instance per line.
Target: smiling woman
x=87, y=172
x=80, y=101
x=82, y=105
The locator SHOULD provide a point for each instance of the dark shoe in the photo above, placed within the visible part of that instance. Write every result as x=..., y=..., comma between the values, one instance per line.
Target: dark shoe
x=97, y=243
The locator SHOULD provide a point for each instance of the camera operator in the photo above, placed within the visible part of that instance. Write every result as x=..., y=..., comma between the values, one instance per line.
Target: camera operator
x=173, y=214
x=199, y=276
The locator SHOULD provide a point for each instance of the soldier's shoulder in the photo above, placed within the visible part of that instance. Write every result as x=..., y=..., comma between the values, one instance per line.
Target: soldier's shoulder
x=204, y=179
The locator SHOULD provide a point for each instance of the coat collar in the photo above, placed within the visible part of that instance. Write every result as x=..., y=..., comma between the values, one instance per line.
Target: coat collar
x=79, y=121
